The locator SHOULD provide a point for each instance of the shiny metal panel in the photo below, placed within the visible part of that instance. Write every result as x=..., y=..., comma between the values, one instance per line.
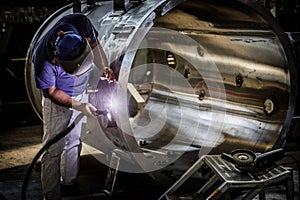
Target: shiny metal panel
x=240, y=46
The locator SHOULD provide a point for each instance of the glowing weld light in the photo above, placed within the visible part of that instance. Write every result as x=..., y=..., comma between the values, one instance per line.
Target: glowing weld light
x=108, y=115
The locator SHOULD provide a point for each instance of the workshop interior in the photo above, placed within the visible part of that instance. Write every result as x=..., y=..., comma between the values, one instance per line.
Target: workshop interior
x=204, y=105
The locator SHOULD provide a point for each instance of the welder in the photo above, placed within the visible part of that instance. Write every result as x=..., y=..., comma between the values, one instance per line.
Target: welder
x=64, y=60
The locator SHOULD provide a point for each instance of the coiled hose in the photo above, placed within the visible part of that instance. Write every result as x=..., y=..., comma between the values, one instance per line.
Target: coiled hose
x=44, y=148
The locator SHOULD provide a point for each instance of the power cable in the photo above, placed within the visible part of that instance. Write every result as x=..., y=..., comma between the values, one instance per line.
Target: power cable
x=40, y=152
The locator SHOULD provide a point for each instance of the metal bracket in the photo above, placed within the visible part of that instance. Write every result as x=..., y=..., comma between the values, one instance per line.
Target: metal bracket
x=123, y=5
x=112, y=174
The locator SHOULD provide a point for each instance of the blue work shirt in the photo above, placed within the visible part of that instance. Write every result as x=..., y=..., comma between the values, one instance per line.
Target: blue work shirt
x=47, y=74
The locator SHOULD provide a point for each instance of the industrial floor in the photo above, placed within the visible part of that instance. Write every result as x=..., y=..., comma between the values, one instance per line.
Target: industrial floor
x=20, y=140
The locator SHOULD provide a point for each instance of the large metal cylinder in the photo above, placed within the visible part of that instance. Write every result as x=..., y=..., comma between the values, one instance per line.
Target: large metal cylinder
x=195, y=76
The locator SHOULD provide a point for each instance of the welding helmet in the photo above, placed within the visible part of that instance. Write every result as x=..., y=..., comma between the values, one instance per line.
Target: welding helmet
x=73, y=53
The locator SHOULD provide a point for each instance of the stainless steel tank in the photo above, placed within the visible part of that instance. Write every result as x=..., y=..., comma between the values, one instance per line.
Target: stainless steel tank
x=193, y=77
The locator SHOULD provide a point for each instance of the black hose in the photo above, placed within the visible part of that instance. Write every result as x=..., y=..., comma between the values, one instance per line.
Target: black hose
x=40, y=152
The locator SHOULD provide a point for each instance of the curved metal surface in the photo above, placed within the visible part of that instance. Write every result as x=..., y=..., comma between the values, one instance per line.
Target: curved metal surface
x=252, y=62
x=232, y=84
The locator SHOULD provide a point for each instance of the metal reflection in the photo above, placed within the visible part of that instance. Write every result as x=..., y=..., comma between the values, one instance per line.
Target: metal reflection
x=233, y=84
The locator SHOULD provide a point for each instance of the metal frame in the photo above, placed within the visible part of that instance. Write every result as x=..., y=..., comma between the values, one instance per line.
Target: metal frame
x=231, y=178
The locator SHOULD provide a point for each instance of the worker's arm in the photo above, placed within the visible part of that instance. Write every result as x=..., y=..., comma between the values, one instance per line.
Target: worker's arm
x=63, y=99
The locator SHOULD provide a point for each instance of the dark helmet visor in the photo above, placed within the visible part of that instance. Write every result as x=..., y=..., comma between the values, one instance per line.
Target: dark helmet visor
x=82, y=63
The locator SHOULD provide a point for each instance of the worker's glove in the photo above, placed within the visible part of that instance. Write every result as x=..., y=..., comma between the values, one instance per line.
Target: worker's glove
x=108, y=74
x=87, y=109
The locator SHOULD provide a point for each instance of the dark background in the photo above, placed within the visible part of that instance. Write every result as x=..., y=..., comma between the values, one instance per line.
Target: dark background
x=19, y=21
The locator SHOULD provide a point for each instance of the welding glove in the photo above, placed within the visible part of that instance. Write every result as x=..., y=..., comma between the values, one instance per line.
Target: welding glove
x=87, y=109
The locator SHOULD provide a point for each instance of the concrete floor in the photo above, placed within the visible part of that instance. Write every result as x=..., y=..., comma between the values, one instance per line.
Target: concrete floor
x=18, y=147
x=20, y=141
